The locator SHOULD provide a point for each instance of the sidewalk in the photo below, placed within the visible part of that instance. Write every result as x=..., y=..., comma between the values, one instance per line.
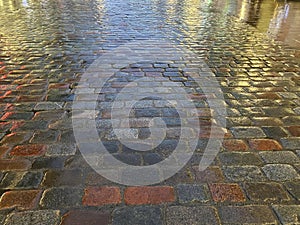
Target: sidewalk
x=45, y=49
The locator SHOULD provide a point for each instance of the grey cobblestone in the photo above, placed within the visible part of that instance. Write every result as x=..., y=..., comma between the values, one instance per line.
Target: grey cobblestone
x=38, y=217
x=246, y=215
x=191, y=193
x=287, y=157
x=237, y=158
x=291, y=143
x=294, y=188
x=247, y=132
x=288, y=214
x=243, y=173
x=181, y=215
x=147, y=215
x=280, y=172
x=57, y=198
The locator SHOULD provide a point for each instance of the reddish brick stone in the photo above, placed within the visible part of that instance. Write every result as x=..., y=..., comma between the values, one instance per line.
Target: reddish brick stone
x=97, y=196
x=8, y=164
x=227, y=192
x=294, y=130
x=268, y=95
x=264, y=145
x=28, y=150
x=235, y=145
x=20, y=199
x=149, y=195
x=210, y=175
x=86, y=217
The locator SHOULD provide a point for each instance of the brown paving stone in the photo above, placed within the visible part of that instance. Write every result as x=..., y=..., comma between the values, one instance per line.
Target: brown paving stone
x=264, y=144
x=65, y=177
x=209, y=175
x=3, y=151
x=97, y=196
x=235, y=145
x=86, y=217
x=227, y=193
x=294, y=130
x=246, y=215
x=266, y=192
x=20, y=199
x=14, y=164
x=149, y=195
x=28, y=150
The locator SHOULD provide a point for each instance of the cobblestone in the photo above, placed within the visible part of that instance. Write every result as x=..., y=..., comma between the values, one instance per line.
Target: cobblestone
x=45, y=217
x=97, y=196
x=56, y=198
x=181, y=215
x=243, y=173
x=191, y=193
x=246, y=215
x=56, y=178
x=137, y=215
x=289, y=214
x=266, y=192
x=82, y=217
x=280, y=172
x=237, y=158
x=20, y=199
x=287, y=157
x=226, y=193
x=148, y=195
x=294, y=188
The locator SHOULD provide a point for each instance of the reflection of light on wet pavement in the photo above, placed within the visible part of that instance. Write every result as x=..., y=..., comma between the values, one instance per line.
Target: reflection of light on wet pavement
x=280, y=20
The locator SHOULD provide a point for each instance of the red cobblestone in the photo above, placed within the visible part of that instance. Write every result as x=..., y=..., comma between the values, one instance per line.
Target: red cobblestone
x=97, y=196
x=8, y=164
x=28, y=150
x=149, y=195
x=294, y=130
x=264, y=145
x=227, y=193
x=235, y=145
x=20, y=199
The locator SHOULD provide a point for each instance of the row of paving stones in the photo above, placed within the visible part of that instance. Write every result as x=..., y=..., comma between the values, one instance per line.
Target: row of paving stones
x=199, y=212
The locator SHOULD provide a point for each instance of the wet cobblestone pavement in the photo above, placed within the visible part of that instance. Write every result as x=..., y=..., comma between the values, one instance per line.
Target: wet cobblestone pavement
x=45, y=47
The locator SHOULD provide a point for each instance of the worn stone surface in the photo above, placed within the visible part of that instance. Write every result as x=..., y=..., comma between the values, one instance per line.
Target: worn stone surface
x=246, y=215
x=57, y=198
x=137, y=215
x=266, y=192
x=181, y=215
x=288, y=214
x=280, y=172
x=191, y=193
x=86, y=217
x=46, y=46
x=42, y=217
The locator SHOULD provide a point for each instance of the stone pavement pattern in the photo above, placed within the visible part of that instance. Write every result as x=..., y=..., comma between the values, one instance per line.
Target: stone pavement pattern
x=45, y=48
